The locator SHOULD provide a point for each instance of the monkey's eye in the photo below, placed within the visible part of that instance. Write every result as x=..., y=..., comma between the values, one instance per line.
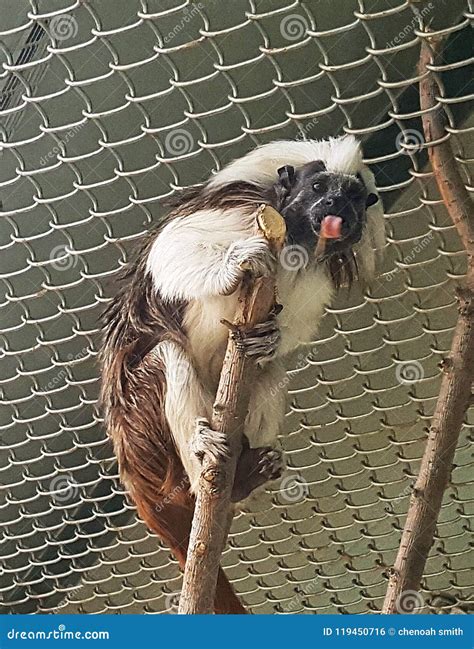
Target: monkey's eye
x=316, y=186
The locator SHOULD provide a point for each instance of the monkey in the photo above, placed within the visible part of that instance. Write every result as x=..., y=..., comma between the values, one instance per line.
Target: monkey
x=164, y=341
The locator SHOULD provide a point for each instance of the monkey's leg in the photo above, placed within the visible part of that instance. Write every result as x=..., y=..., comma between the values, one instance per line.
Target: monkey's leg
x=267, y=406
x=187, y=404
x=260, y=459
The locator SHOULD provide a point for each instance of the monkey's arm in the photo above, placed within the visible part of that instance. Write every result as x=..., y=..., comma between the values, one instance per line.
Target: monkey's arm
x=198, y=257
x=267, y=406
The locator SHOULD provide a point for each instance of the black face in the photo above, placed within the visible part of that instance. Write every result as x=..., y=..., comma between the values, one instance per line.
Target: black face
x=307, y=195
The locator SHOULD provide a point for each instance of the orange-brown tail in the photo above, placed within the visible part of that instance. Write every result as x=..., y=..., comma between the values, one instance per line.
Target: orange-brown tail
x=171, y=521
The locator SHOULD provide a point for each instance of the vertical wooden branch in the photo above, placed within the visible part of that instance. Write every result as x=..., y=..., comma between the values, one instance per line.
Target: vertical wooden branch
x=213, y=512
x=455, y=392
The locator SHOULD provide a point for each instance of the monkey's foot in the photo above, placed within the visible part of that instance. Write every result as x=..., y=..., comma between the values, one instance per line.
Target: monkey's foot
x=270, y=463
x=255, y=467
x=261, y=342
x=206, y=441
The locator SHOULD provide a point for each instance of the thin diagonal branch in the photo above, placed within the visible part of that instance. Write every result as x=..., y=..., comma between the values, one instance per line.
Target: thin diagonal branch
x=213, y=512
x=458, y=368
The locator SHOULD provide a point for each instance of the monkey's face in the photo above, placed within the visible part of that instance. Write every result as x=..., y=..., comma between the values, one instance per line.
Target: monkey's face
x=315, y=203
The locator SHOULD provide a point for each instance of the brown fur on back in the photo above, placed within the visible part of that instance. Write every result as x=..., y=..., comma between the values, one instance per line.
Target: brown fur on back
x=133, y=385
x=133, y=381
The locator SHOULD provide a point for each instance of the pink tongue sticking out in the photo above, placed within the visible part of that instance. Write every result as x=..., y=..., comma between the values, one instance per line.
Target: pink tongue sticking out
x=331, y=227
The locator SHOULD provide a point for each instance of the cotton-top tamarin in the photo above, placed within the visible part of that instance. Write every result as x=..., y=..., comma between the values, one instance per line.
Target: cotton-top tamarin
x=164, y=342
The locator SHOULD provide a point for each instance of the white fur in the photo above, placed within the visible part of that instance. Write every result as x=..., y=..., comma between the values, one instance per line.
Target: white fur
x=187, y=399
x=197, y=258
x=187, y=260
x=342, y=155
x=267, y=407
x=304, y=296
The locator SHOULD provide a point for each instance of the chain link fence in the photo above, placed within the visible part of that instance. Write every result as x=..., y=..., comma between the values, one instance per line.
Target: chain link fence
x=108, y=107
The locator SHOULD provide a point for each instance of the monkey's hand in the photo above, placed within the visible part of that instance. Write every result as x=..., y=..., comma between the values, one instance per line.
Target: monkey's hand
x=206, y=441
x=253, y=255
x=262, y=341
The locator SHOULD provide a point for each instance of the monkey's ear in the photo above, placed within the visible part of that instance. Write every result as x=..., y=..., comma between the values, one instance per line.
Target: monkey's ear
x=287, y=176
x=371, y=200
x=316, y=165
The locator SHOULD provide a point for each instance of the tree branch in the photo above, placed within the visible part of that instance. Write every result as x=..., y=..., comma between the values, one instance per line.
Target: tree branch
x=458, y=367
x=213, y=512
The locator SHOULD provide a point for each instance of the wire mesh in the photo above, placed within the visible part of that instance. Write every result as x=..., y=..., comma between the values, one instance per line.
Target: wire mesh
x=108, y=108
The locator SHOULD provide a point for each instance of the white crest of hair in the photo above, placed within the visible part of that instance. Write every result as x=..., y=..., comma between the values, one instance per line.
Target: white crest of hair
x=339, y=154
